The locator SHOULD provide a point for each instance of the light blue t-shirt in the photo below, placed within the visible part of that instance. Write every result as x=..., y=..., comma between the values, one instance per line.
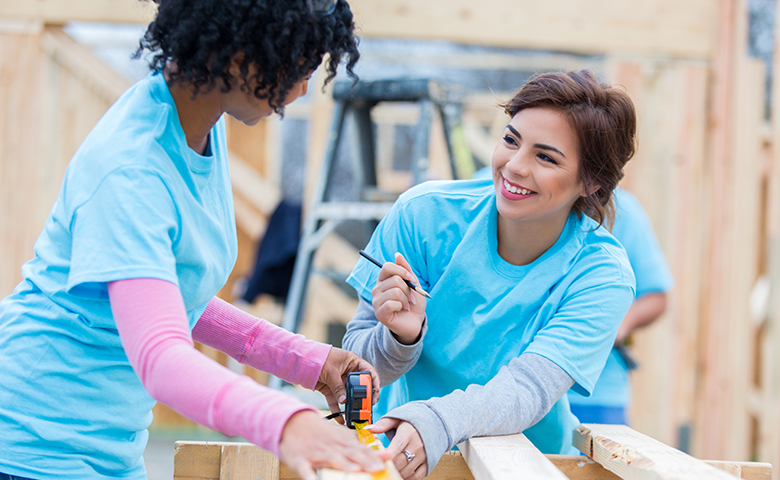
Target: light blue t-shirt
x=565, y=306
x=136, y=202
x=634, y=231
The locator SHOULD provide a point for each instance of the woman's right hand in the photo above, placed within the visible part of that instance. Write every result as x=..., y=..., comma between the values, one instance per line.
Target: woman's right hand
x=397, y=306
x=310, y=442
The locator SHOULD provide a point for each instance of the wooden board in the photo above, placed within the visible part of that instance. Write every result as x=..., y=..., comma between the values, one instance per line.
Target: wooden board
x=63, y=11
x=222, y=460
x=634, y=456
x=654, y=27
x=247, y=462
x=507, y=457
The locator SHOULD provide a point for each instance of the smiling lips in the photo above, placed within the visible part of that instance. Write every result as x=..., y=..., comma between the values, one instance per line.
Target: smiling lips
x=515, y=190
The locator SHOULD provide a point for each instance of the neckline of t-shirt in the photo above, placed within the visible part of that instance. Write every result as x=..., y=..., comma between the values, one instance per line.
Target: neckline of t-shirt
x=519, y=271
x=197, y=163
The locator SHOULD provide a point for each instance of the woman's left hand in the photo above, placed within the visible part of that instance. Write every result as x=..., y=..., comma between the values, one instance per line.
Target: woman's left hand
x=408, y=452
x=331, y=382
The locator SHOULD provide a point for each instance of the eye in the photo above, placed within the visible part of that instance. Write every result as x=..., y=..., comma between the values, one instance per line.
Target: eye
x=510, y=140
x=546, y=158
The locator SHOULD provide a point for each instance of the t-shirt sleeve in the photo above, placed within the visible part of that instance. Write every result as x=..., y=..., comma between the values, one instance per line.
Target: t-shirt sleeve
x=581, y=332
x=126, y=228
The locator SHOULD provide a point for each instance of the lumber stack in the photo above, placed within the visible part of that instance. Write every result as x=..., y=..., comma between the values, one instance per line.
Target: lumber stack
x=613, y=453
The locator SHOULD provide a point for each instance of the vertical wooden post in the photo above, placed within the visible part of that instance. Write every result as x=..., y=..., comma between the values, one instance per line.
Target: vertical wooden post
x=20, y=59
x=733, y=185
x=666, y=175
x=769, y=434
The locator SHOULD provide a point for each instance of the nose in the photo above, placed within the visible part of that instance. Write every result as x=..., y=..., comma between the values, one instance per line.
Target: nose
x=520, y=163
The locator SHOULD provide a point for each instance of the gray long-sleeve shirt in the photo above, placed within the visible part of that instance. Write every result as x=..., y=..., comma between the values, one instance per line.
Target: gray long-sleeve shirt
x=520, y=394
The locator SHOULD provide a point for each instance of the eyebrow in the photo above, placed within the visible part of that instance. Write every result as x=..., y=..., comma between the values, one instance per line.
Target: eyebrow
x=537, y=145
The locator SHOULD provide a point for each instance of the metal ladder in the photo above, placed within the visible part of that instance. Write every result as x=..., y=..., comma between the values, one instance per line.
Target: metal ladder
x=324, y=216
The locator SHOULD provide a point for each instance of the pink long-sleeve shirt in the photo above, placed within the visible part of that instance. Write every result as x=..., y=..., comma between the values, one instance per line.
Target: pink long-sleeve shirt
x=152, y=323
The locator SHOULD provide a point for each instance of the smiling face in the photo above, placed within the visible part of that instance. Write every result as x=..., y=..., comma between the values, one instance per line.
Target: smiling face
x=536, y=172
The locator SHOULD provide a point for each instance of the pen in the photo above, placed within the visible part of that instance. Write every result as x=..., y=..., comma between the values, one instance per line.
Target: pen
x=411, y=285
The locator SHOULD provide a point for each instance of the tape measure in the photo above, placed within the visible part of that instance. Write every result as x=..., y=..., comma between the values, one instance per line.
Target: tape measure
x=359, y=404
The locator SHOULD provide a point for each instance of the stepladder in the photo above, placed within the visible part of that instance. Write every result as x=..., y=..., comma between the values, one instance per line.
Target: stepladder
x=611, y=452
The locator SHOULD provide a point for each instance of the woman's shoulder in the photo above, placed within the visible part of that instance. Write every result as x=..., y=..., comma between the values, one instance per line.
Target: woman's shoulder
x=132, y=133
x=599, y=250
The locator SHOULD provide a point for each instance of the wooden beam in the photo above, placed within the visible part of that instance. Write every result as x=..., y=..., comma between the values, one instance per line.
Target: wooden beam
x=744, y=470
x=581, y=468
x=507, y=457
x=652, y=27
x=103, y=80
x=246, y=461
x=634, y=456
x=63, y=11
x=197, y=460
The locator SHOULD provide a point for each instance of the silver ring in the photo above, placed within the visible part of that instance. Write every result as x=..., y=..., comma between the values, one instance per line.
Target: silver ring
x=409, y=456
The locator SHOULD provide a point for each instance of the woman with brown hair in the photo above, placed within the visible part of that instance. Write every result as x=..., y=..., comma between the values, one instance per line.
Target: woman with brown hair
x=528, y=288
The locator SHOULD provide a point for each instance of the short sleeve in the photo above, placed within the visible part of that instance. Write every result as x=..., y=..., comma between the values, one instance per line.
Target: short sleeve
x=125, y=229
x=581, y=332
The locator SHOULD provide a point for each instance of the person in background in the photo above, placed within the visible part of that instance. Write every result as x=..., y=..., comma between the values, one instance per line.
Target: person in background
x=528, y=288
x=139, y=241
x=609, y=401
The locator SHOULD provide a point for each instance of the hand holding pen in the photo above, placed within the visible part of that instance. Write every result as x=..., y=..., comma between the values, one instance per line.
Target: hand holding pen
x=396, y=301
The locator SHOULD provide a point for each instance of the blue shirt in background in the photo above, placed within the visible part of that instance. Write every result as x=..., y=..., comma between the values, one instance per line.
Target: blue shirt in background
x=633, y=229
x=565, y=306
x=136, y=202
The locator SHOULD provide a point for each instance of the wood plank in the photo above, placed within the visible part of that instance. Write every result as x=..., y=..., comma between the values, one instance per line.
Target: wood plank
x=653, y=27
x=744, y=255
x=247, y=462
x=197, y=460
x=20, y=156
x=63, y=11
x=581, y=468
x=634, y=456
x=507, y=457
x=80, y=62
x=768, y=433
x=721, y=428
x=744, y=470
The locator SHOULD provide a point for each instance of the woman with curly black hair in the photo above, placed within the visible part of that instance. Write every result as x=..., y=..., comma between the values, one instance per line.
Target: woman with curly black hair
x=139, y=241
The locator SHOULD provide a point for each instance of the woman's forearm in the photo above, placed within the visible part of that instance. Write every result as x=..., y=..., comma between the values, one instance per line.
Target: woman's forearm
x=260, y=344
x=515, y=399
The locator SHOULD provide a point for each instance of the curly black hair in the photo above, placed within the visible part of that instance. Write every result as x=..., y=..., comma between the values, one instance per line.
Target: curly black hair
x=281, y=40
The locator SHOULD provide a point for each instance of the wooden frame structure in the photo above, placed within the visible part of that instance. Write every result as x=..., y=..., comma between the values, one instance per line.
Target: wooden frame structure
x=613, y=453
x=707, y=171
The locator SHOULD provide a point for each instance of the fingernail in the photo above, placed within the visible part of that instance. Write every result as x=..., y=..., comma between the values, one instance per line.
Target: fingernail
x=408, y=275
x=376, y=467
x=342, y=398
x=414, y=300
